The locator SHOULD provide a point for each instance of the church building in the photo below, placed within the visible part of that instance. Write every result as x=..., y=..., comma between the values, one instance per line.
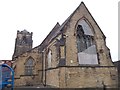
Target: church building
x=73, y=55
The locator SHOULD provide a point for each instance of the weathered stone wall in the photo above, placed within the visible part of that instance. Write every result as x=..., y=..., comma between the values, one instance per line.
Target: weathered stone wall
x=27, y=80
x=52, y=77
x=117, y=65
x=20, y=77
x=82, y=77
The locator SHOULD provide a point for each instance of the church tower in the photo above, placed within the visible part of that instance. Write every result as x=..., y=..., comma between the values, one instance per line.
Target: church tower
x=23, y=42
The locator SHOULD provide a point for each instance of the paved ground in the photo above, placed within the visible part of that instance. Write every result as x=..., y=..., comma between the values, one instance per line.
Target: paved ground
x=39, y=86
x=31, y=87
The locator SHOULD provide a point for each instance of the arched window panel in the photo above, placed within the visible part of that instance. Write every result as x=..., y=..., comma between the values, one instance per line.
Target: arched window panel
x=81, y=42
x=86, y=28
x=29, y=65
x=49, y=57
x=85, y=44
x=29, y=62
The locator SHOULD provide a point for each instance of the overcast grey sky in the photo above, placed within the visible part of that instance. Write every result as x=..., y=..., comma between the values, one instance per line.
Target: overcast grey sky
x=40, y=16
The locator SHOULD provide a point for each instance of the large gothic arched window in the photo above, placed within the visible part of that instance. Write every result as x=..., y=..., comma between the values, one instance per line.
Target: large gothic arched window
x=86, y=44
x=29, y=65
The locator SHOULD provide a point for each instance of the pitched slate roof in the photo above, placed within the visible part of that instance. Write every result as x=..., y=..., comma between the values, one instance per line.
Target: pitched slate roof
x=51, y=35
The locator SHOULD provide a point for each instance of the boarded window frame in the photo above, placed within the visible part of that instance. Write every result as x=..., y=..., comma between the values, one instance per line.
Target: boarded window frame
x=62, y=52
x=49, y=58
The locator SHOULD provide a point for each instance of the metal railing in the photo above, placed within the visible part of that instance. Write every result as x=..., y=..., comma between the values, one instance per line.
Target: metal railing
x=6, y=76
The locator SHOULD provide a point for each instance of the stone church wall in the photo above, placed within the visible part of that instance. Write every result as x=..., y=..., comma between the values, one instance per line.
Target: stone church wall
x=20, y=77
x=81, y=77
x=57, y=62
x=52, y=77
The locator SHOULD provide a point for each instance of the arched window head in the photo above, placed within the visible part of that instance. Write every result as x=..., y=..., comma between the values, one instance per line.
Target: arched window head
x=82, y=24
x=29, y=65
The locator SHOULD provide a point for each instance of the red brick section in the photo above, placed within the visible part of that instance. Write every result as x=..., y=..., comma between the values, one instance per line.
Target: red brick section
x=8, y=62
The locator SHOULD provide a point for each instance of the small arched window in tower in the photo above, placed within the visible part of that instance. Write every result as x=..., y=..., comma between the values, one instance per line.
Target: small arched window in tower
x=86, y=44
x=29, y=65
x=24, y=40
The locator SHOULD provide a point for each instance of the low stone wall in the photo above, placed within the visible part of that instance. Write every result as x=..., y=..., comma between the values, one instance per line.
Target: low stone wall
x=27, y=81
x=82, y=77
x=52, y=77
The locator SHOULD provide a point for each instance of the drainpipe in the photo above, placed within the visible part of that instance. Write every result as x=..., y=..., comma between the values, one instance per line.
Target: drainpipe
x=45, y=70
x=42, y=67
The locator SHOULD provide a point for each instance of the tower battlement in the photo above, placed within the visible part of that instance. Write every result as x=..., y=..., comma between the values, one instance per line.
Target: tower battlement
x=23, y=42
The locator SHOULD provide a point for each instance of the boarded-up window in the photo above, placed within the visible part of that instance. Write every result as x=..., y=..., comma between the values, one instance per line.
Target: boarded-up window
x=62, y=52
x=29, y=67
x=85, y=44
x=49, y=57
